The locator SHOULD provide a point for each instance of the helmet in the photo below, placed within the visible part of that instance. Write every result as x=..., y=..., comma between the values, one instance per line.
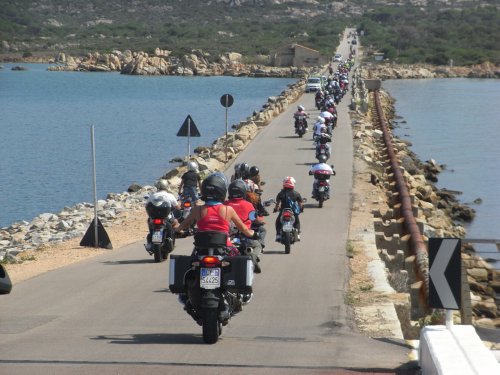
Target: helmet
x=162, y=184
x=237, y=189
x=322, y=158
x=321, y=119
x=289, y=182
x=301, y=108
x=244, y=167
x=254, y=171
x=192, y=166
x=214, y=187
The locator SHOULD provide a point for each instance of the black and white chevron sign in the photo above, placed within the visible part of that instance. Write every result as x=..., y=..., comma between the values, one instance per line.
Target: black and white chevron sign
x=445, y=273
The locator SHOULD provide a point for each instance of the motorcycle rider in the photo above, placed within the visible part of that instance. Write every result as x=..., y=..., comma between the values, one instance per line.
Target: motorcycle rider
x=301, y=111
x=190, y=182
x=246, y=212
x=318, y=125
x=169, y=201
x=288, y=191
x=328, y=116
x=320, y=171
x=213, y=215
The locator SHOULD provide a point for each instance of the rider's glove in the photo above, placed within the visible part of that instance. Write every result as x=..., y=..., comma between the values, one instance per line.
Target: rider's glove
x=255, y=236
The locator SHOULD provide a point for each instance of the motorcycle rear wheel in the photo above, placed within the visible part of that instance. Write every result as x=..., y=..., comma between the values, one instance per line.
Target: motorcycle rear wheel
x=210, y=326
x=286, y=242
x=320, y=200
x=157, y=253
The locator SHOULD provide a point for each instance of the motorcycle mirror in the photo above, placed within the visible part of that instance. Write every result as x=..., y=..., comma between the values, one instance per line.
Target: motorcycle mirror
x=310, y=173
x=269, y=202
x=333, y=172
x=262, y=183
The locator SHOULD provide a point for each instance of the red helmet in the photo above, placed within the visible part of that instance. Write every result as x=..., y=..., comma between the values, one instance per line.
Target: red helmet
x=289, y=182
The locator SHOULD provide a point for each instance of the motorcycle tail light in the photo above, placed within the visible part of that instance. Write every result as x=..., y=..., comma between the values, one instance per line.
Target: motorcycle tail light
x=210, y=261
x=287, y=216
x=157, y=221
x=187, y=204
x=322, y=183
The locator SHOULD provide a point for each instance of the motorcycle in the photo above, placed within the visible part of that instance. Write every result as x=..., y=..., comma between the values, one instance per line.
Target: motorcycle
x=246, y=246
x=322, y=149
x=288, y=231
x=211, y=282
x=183, y=213
x=300, y=128
x=162, y=234
x=321, y=185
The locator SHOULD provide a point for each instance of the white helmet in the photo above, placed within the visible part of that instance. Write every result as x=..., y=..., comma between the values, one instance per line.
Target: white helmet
x=301, y=108
x=162, y=184
x=192, y=166
x=321, y=119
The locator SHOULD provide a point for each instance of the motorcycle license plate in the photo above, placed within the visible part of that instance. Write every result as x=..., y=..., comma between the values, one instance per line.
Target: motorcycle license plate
x=287, y=227
x=210, y=278
x=157, y=236
x=321, y=188
x=322, y=151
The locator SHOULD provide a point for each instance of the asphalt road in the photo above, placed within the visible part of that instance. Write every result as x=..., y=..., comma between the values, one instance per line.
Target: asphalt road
x=114, y=314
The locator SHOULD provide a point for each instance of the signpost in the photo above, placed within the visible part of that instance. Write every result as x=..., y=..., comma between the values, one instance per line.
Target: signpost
x=227, y=101
x=445, y=275
x=188, y=129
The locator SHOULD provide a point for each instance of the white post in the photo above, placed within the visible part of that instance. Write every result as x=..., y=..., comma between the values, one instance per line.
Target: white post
x=96, y=239
x=449, y=319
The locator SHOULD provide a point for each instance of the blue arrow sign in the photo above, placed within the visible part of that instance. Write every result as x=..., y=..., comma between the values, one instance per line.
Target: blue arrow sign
x=445, y=273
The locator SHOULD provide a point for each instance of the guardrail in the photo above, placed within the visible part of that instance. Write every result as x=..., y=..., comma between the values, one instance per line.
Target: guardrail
x=409, y=246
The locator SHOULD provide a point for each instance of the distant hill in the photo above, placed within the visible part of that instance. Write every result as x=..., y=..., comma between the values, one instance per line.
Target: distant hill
x=252, y=27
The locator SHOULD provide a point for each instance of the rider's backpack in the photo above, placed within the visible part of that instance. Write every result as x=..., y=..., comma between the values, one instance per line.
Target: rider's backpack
x=293, y=204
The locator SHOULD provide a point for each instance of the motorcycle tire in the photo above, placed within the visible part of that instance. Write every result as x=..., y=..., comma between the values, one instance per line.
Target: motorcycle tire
x=287, y=242
x=210, y=326
x=158, y=257
x=321, y=200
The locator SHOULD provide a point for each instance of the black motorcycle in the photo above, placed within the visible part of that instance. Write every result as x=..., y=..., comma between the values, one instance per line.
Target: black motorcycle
x=288, y=232
x=186, y=204
x=211, y=282
x=161, y=231
x=300, y=125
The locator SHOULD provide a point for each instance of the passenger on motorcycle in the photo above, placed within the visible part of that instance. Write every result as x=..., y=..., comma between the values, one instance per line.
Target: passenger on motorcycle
x=320, y=124
x=164, y=199
x=190, y=182
x=241, y=171
x=213, y=215
x=246, y=212
x=328, y=120
x=320, y=171
x=288, y=191
x=301, y=112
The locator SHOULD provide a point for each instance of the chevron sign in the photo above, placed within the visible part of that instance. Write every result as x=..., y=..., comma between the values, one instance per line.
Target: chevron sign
x=445, y=273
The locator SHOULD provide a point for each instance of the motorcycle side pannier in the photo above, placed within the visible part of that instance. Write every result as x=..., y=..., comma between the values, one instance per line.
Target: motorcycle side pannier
x=179, y=265
x=238, y=277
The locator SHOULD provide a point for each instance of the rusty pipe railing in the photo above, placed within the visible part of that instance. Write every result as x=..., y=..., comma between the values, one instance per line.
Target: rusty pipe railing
x=416, y=241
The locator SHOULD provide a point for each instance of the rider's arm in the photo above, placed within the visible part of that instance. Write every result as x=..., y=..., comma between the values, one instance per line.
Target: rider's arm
x=189, y=219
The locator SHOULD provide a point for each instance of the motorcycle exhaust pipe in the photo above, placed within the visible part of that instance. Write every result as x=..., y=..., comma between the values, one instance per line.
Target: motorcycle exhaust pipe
x=248, y=250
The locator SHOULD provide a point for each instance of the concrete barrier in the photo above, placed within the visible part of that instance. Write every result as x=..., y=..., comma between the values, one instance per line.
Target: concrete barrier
x=453, y=351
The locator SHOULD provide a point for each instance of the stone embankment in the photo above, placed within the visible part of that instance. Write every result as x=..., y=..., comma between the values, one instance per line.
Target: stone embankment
x=162, y=63
x=437, y=212
x=72, y=222
x=396, y=71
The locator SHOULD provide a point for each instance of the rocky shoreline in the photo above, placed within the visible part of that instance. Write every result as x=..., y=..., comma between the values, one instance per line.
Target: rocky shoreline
x=438, y=209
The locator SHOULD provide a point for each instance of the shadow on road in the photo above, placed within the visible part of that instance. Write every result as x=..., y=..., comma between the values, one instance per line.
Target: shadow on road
x=131, y=261
x=288, y=136
x=152, y=338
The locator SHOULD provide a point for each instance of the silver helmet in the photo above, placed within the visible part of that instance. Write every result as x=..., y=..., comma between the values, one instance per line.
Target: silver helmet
x=192, y=166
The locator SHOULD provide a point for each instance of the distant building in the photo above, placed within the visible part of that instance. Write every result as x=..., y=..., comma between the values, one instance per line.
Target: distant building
x=297, y=55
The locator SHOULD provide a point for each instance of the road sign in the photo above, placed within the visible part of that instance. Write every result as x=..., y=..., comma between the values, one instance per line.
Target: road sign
x=188, y=128
x=445, y=273
x=226, y=100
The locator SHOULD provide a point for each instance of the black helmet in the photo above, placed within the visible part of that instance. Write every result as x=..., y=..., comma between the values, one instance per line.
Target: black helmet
x=322, y=158
x=244, y=168
x=254, y=171
x=214, y=187
x=237, y=189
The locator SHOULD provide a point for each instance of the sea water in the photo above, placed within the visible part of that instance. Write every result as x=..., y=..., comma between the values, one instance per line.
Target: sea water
x=456, y=122
x=46, y=117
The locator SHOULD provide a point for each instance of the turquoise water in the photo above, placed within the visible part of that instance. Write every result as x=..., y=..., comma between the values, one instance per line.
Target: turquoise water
x=457, y=123
x=45, y=120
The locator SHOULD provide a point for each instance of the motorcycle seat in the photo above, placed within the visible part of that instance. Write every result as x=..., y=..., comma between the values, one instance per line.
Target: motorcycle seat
x=210, y=239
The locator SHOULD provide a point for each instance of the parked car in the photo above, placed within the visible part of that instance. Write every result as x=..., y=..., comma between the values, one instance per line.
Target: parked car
x=313, y=84
x=337, y=57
